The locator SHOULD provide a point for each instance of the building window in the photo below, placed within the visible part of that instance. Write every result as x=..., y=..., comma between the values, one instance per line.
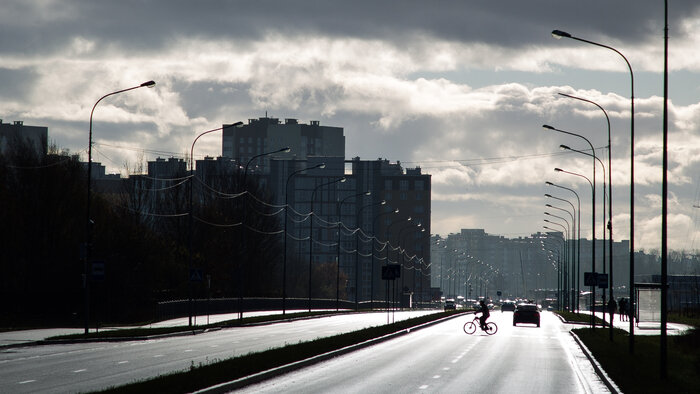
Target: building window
x=404, y=196
x=388, y=184
x=403, y=185
x=387, y=196
x=418, y=185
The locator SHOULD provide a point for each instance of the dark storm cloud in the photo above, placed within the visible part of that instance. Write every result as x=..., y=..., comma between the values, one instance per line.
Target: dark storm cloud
x=35, y=26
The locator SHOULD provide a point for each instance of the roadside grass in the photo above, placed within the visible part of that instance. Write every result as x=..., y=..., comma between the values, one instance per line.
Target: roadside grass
x=140, y=332
x=641, y=372
x=573, y=317
x=220, y=371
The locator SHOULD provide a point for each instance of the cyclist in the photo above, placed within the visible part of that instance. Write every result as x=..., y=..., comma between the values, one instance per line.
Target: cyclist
x=484, y=314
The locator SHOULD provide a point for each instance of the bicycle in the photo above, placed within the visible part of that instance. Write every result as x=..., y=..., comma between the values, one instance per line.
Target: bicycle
x=470, y=326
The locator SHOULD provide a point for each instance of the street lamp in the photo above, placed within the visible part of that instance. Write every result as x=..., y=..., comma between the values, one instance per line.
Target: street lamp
x=88, y=221
x=386, y=245
x=561, y=34
x=610, y=191
x=286, y=208
x=246, y=255
x=311, y=228
x=357, y=250
x=191, y=219
x=337, y=270
x=575, y=260
x=593, y=287
x=564, y=147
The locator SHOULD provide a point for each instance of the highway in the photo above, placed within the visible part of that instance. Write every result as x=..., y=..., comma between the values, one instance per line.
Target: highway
x=443, y=359
x=93, y=366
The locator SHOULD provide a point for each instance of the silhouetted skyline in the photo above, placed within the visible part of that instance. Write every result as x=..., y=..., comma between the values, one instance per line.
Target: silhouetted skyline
x=460, y=90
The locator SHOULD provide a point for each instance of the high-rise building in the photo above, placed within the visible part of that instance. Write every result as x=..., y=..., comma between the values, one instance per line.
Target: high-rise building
x=17, y=132
x=263, y=135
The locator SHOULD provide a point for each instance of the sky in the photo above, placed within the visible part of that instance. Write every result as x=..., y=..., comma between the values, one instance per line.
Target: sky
x=459, y=88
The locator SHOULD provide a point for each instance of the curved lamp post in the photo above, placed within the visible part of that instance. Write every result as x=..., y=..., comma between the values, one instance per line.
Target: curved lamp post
x=244, y=229
x=610, y=201
x=562, y=34
x=339, y=211
x=286, y=208
x=577, y=261
x=593, y=240
x=88, y=221
x=386, y=245
x=357, y=249
x=191, y=219
x=311, y=228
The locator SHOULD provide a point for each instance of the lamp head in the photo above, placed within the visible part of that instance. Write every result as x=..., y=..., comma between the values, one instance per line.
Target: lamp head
x=149, y=84
x=564, y=147
x=546, y=126
x=549, y=183
x=237, y=124
x=383, y=202
x=558, y=170
x=560, y=34
x=285, y=149
x=548, y=205
x=368, y=193
x=343, y=179
x=396, y=210
x=322, y=165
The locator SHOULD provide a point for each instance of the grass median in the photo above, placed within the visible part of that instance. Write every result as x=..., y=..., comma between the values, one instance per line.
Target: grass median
x=201, y=376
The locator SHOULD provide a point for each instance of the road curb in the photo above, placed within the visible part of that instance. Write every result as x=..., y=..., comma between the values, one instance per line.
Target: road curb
x=596, y=366
x=270, y=373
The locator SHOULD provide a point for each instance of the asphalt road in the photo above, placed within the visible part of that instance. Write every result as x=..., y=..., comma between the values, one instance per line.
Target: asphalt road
x=98, y=365
x=443, y=359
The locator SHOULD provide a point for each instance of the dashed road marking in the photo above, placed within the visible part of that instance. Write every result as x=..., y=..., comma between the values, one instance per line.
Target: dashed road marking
x=423, y=387
x=436, y=377
x=80, y=370
x=157, y=356
x=123, y=362
x=27, y=381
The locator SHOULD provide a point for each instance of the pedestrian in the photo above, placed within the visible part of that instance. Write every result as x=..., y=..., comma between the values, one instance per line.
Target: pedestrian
x=612, y=308
x=623, y=309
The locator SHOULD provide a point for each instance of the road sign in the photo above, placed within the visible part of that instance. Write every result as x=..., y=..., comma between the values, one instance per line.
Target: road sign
x=589, y=279
x=97, y=270
x=196, y=275
x=602, y=280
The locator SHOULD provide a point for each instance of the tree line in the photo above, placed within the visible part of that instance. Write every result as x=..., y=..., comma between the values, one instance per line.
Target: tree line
x=141, y=236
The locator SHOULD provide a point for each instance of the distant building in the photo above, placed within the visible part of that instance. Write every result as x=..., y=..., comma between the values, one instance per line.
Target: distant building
x=36, y=136
x=269, y=134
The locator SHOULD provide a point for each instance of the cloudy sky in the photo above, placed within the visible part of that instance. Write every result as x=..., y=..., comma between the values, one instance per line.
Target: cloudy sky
x=459, y=88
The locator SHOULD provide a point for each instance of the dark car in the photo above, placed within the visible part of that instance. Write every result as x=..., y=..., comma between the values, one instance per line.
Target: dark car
x=526, y=313
x=450, y=305
x=508, y=306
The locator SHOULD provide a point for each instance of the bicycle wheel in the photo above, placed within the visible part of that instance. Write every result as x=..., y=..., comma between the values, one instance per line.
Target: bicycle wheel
x=469, y=327
x=491, y=328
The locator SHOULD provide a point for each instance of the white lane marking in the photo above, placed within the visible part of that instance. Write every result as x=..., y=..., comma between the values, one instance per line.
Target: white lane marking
x=436, y=377
x=27, y=381
x=423, y=387
x=80, y=370
x=446, y=369
x=158, y=355
x=188, y=350
x=123, y=362
x=214, y=346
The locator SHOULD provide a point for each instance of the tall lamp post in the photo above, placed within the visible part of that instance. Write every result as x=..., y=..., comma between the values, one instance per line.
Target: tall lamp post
x=286, y=208
x=191, y=216
x=574, y=297
x=386, y=244
x=357, y=250
x=578, y=239
x=339, y=211
x=562, y=34
x=610, y=192
x=593, y=240
x=311, y=228
x=88, y=224
x=246, y=255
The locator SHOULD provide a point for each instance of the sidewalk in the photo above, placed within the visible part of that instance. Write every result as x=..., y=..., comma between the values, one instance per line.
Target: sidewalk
x=645, y=328
x=15, y=338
